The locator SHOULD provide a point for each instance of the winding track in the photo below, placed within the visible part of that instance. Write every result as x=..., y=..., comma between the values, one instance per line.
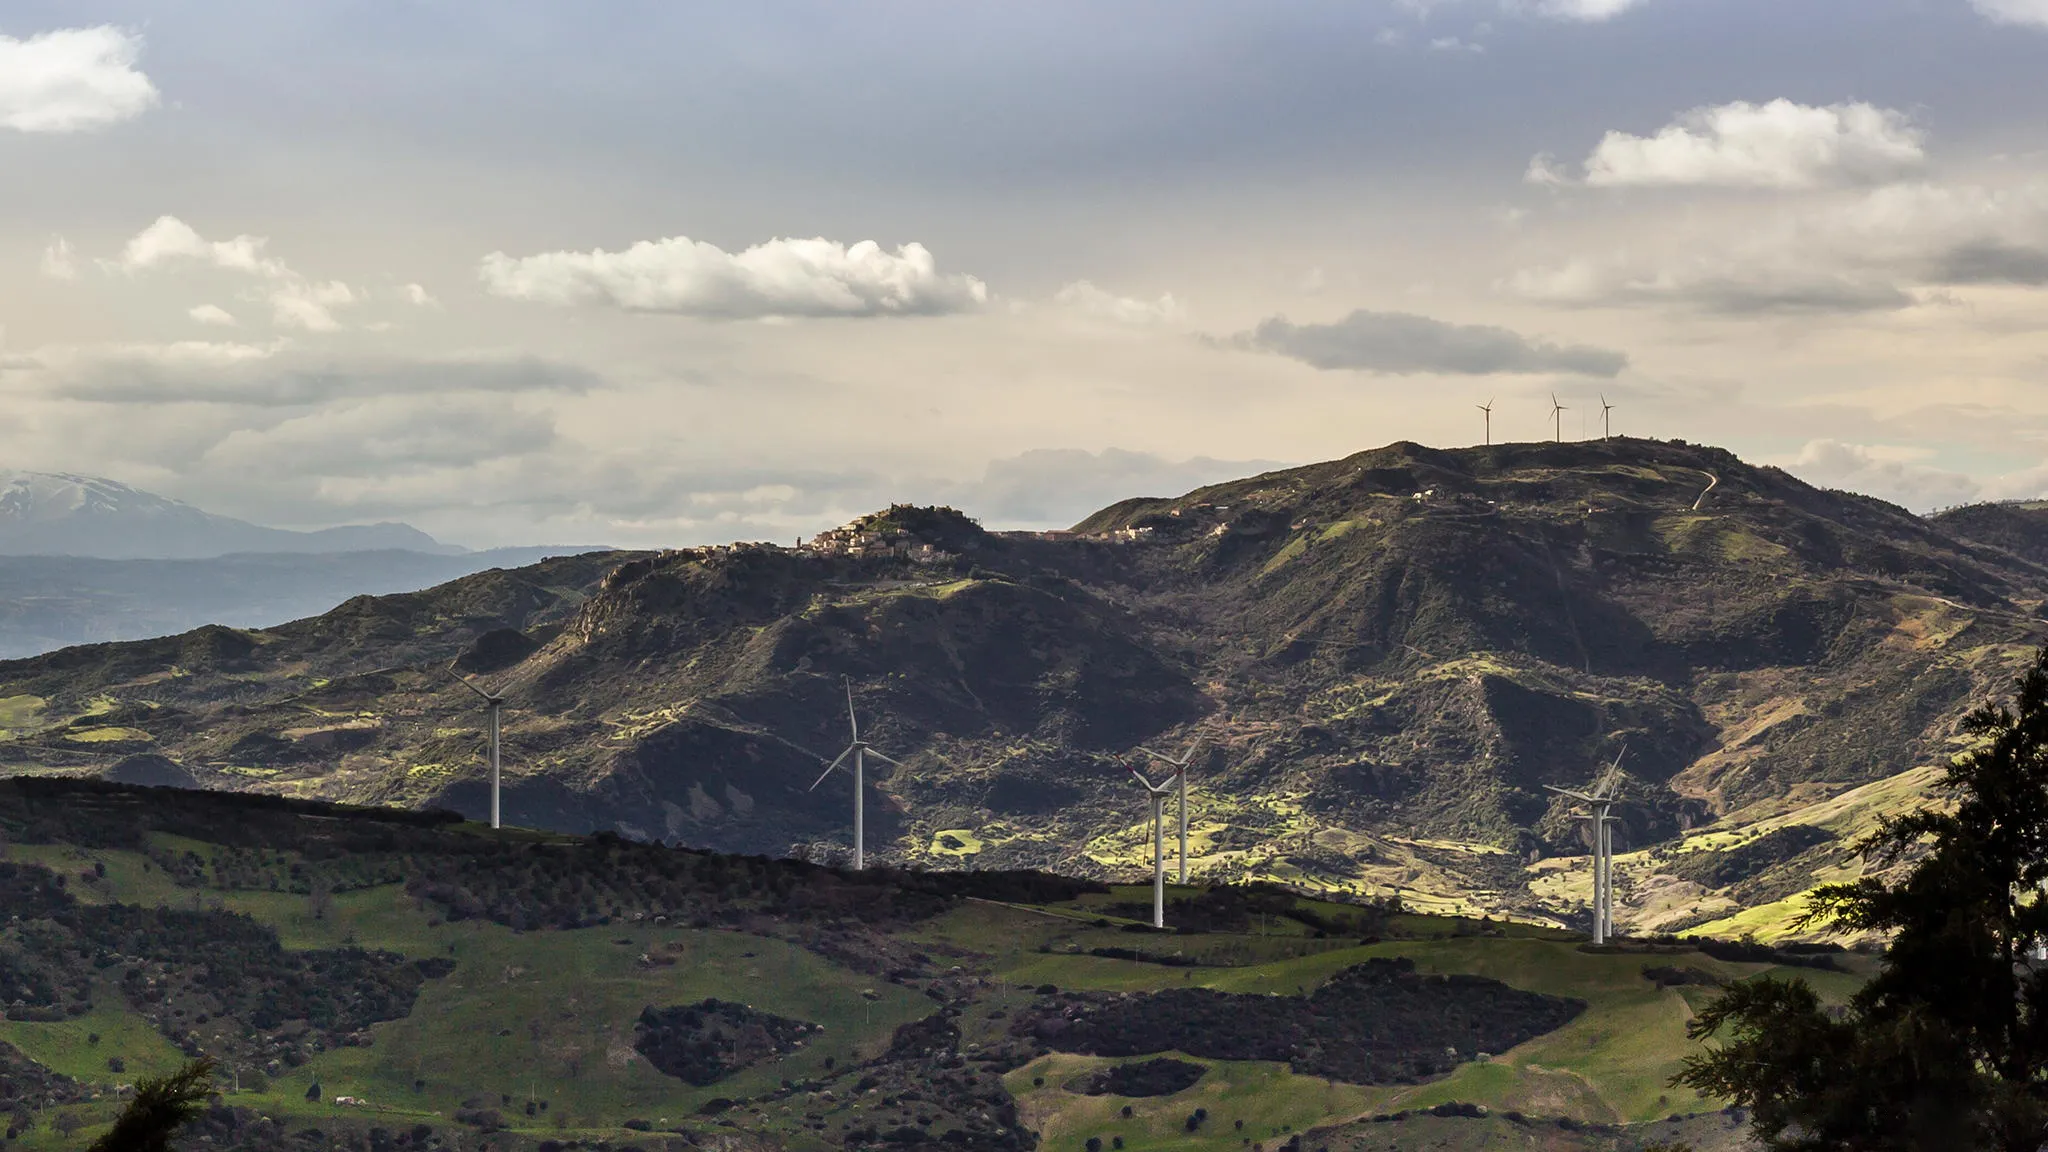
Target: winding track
x=1712, y=482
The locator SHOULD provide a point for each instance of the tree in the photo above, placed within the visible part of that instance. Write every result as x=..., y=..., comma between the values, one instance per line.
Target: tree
x=1948, y=1046
x=161, y=1106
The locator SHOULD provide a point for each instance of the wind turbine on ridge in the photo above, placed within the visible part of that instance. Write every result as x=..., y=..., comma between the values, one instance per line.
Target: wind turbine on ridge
x=860, y=750
x=1606, y=428
x=1557, y=412
x=1158, y=794
x=494, y=703
x=1180, y=775
x=1488, y=409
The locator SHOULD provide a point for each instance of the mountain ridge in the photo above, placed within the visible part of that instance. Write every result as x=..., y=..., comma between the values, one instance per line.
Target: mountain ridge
x=67, y=514
x=1389, y=654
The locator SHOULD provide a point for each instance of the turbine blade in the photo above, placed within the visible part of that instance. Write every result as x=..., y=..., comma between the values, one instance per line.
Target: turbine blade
x=1159, y=756
x=885, y=759
x=464, y=681
x=851, y=722
x=830, y=767
x=1188, y=756
x=1141, y=779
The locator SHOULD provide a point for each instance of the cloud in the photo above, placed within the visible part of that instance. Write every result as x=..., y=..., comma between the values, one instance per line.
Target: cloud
x=277, y=374
x=1884, y=249
x=306, y=305
x=1057, y=487
x=1884, y=471
x=58, y=263
x=1398, y=343
x=212, y=314
x=1778, y=145
x=295, y=301
x=1723, y=287
x=1588, y=11
x=169, y=239
x=72, y=80
x=1084, y=297
x=781, y=278
x=1453, y=44
x=2033, y=12
x=418, y=296
x=378, y=437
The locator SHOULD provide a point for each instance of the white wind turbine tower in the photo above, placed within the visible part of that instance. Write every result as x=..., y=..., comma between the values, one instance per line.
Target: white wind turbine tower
x=860, y=750
x=1603, y=797
x=1606, y=426
x=1557, y=412
x=493, y=705
x=1487, y=408
x=1180, y=775
x=1158, y=794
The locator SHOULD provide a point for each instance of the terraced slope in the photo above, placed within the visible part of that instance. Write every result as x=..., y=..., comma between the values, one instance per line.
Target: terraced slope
x=1389, y=655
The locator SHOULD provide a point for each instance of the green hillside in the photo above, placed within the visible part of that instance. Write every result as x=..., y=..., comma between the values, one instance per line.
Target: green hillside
x=1388, y=656
x=539, y=988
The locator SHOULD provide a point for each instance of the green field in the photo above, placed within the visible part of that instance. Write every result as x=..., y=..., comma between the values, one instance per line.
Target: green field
x=538, y=1026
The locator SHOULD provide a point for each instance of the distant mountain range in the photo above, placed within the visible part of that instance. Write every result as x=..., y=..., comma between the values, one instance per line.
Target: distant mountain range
x=86, y=560
x=60, y=514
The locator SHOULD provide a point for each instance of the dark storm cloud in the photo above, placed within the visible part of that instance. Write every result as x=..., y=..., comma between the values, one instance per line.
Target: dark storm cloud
x=1398, y=343
x=1992, y=262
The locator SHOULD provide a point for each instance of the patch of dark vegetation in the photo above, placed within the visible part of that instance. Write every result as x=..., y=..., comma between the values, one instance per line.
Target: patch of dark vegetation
x=1723, y=867
x=1374, y=1023
x=577, y=883
x=706, y=1042
x=1671, y=976
x=185, y=966
x=1143, y=957
x=1237, y=907
x=1751, y=952
x=1162, y=1077
x=26, y=1085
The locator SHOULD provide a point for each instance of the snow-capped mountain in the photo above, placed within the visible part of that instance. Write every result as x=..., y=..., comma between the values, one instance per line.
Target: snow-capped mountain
x=60, y=514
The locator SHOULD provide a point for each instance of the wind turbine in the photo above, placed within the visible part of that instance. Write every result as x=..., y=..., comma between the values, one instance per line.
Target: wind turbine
x=493, y=705
x=1158, y=793
x=1606, y=429
x=1488, y=409
x=1604, y=796
x=1557, y=412
x=1180, y=774
x=860, y=750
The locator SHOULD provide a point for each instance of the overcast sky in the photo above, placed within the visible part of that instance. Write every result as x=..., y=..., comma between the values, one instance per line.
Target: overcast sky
x=664, y=273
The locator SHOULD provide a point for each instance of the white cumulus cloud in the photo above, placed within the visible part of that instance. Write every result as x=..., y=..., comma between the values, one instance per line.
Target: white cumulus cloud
x=72, y=80
x=169, y=239
x=295, y=301
x=780, y=278
x=2034, y=12
x=1084, y=297
x=1777, y=145
x=212, y=314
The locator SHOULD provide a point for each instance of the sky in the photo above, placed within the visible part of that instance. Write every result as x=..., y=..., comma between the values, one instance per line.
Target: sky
x=665, y=273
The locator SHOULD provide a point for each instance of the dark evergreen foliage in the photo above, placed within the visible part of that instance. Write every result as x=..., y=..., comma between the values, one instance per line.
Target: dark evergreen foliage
x=1948, y=1046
